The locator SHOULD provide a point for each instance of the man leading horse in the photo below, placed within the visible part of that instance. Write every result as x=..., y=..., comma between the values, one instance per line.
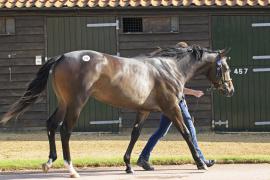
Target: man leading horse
x=144, y=83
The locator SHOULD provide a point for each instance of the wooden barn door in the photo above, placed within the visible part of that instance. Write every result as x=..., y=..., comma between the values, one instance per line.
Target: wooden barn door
x=94, y=33
x=249, y=38
x=21, y=49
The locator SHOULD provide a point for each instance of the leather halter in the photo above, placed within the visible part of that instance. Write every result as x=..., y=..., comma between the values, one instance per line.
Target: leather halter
x=220, y=75
x=219, y=71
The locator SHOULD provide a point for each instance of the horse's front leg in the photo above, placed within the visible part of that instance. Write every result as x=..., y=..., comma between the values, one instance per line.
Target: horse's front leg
x=140, y=118
x=176, y=117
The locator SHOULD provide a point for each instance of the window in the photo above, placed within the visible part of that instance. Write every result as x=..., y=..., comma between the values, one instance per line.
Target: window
x=150, y=24
x=7, y=26
x=132, y=25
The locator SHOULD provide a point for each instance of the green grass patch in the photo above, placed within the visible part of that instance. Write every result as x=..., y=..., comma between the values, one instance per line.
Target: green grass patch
x=220, y=160
x=7, y=165
x=20, y=164
x=242, y=159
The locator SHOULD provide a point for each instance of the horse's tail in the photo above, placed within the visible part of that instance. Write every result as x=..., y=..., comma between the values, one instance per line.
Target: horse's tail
x=33, y=91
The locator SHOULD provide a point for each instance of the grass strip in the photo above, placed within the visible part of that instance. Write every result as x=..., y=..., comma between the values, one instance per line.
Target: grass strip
x=7, y=165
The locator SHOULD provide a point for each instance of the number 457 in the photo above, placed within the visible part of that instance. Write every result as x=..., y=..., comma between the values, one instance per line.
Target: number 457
x=240, y=71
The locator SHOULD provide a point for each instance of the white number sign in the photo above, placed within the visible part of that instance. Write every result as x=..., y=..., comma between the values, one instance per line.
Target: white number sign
x=240, y=71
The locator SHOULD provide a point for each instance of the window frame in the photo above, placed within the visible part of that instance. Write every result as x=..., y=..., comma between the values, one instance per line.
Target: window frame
x=145, y=32
x=122, y=25
x=6, y=33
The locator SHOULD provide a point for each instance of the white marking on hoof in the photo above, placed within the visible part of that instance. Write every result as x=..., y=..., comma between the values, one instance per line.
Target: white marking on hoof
x=47, y=166
x=72, y=171
x=86, y=58
x=76, y=175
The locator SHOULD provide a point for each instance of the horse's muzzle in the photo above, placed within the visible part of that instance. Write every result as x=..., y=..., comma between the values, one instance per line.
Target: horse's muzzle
x=228, y=89
x=230, y=93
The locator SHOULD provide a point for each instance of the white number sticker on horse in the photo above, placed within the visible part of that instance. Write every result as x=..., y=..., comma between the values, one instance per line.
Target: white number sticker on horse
x=86, y=58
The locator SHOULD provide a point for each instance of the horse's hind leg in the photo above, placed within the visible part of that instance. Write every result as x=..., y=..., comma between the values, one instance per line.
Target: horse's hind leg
x=72, y=115
x=140, y=118
x=52, y=124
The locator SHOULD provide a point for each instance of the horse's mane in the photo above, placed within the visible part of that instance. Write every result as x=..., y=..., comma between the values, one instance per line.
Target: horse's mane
x=178, y=52
x=169, y=72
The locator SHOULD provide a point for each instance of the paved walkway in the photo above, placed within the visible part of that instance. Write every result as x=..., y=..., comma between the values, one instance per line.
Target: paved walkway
x=183, y=172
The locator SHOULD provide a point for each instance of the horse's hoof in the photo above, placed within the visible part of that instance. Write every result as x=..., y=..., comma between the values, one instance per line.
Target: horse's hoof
x=202, y=167
x=75, y=175
x=130, y=171
x=45, y=167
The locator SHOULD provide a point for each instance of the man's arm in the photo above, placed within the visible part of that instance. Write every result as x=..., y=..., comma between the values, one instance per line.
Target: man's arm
x=193, y=92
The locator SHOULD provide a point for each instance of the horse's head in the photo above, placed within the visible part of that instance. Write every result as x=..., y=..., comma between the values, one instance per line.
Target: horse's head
x=219, y=71
x=194, y=60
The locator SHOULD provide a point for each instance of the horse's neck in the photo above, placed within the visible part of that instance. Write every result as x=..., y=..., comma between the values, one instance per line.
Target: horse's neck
x=188, y=68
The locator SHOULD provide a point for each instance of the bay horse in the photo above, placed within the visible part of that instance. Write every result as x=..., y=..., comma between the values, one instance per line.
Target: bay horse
x=146, y=83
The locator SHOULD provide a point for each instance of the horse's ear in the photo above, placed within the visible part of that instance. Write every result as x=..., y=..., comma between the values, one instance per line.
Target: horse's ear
x=156, y=51
x=225, y=51
x=182, y=44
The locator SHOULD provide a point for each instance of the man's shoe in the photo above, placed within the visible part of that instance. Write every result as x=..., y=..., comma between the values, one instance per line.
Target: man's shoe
x=203, y=166
x=210, y=163
x=145, y=164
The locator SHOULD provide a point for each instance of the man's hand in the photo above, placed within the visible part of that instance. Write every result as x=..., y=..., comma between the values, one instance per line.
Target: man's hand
x=192, y=92
x=197, y=93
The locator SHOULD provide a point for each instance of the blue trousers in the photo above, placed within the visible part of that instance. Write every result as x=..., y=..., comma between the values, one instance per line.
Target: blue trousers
x=165, y=125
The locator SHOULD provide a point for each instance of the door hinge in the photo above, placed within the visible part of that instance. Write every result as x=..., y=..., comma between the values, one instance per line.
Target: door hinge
x=220, y=123
x=262, y=123
x=96, y=25
x=118, y=121
x=260, y=24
